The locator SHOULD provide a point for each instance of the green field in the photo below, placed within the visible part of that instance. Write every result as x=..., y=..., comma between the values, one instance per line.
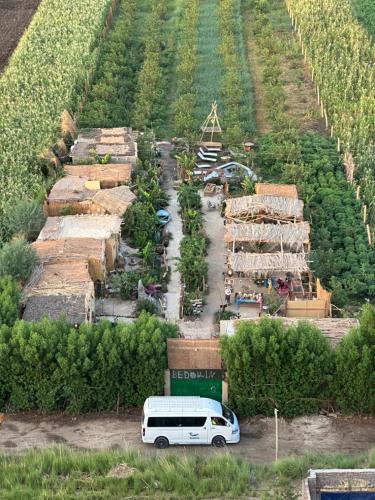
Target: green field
x=66, y=474
x=365, y=12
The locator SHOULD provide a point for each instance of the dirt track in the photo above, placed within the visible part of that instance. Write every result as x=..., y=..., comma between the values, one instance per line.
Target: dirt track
x=315, y=434
x=15, y=16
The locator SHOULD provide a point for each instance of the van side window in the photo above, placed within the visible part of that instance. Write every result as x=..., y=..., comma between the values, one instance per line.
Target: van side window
x=218, y=421
x=176, y=421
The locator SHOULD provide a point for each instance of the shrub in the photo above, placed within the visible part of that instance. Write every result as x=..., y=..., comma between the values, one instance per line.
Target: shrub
x=192, y=264
x=141, y=224
x=355, y=367
x=146, y=305
x=270, y=367
x=51, y=366
x=24, y=219
x=10, y=295
x=17, y=259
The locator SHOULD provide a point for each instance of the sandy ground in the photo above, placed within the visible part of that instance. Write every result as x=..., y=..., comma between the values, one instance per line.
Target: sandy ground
x=306, y=434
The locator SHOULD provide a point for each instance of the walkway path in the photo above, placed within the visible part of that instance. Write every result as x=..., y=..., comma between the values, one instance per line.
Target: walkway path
x=175, y=229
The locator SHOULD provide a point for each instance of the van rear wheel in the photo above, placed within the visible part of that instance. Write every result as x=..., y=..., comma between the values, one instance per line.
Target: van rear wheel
x=218, y=441
x=161, y=443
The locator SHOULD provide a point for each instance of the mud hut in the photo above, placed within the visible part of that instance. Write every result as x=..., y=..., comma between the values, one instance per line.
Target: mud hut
x=99, y=227
x=60, y=288
x=260, y=208
x=109, y=176
x=72, y=250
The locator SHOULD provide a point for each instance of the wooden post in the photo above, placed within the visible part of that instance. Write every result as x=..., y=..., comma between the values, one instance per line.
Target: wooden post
x=369, y=234
x=318, y=92
x=276, y=435
x=326, y=119
x=365, y=213
x=357, y=192
x=331, y=130
x=338, y=145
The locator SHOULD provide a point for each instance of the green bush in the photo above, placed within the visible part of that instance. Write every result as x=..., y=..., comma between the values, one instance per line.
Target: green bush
x=17, y=259
x=10, y=296
x=270, y=367
x=51, y=366
x=192, y=265
x=23, y=219
x=141, y=224
x=355, y=367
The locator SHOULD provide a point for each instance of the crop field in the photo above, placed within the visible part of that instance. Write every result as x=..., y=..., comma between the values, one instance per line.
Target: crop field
x=47, y=74
x=15, y=15
x=365, y=12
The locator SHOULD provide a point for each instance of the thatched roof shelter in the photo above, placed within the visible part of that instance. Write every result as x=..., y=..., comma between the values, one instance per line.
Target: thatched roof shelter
x=290, y=234
x=258, y=207
x=100, y=227
x=59, y=288
x=74, y=249
x=109, y=176
x=267, y=264
x=112, y=201
x=282, y=190
x=119, y=142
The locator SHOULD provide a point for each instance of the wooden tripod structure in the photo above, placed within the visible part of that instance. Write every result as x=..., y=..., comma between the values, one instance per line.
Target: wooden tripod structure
x=211, y=125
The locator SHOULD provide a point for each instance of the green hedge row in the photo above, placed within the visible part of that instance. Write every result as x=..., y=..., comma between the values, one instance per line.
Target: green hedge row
x=296, y=370
x=51, y=366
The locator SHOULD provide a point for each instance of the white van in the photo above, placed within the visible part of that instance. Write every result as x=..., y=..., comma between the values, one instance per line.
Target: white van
x=188, y=420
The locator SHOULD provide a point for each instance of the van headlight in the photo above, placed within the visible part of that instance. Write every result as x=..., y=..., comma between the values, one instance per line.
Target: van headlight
x=235, y=431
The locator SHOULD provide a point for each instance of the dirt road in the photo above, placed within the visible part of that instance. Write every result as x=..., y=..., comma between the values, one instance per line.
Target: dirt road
x=306, y=434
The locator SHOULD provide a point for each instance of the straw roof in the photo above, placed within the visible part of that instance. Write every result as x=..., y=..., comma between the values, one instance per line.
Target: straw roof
x=69, y=249
x=291, y=233
x=111, y=173
x=333, y=328
x=101, y=227
x=283, y=190
x=267, y=263
x=70, y=189
x=59, y=288
x=114, y=201
x=273, y=206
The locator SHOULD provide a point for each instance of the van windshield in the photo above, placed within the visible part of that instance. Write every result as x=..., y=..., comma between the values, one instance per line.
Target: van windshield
x=227, y=413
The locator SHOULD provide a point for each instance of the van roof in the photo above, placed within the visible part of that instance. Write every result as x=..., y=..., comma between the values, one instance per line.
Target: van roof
x=181, y=403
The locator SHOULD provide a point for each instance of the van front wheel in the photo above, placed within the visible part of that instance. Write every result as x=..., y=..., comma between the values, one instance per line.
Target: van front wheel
x=218, y=441
x=161, y=443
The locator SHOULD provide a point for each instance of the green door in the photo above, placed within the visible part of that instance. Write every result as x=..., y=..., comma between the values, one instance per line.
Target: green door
x=190, y=385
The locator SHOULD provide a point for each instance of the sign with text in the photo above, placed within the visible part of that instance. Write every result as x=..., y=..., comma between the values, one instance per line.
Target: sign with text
x=197, y=374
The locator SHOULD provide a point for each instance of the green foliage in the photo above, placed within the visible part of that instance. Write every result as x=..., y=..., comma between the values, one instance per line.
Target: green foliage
x=45, y=75
x=10, y=297
x=192, y=265
x=112, y=95
x=341, y=255
x=355, y=367
x=24, y=219
x=189, y=198
x=235, y=87
x=187, y=58
x=365, y=12
x=50, y=366
x=270, y=367
x=146, y=305
x=341, y=53
x=140, y=223
x=150, y=89
x=17, y=259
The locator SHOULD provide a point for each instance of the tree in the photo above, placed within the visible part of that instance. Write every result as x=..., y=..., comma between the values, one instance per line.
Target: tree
x=270, y=367
x=17, y=259
x=23, y=219
x=140, y=223
x=10, y=295
x=355, y=367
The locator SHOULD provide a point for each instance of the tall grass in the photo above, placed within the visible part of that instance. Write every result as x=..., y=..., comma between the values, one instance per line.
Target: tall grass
x=63, y=473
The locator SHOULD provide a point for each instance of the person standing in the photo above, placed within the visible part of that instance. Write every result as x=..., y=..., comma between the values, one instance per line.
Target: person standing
x=228, y=293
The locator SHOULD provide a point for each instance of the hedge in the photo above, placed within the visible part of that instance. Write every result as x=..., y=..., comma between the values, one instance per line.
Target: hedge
x=51, y=366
